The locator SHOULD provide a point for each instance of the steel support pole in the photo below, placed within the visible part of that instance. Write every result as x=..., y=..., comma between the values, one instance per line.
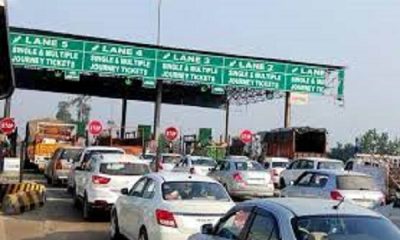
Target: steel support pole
x=288, y=114
x=7, y=107
x=157, y=120
x=123, y=117
x=227, y=107
x=157, y=107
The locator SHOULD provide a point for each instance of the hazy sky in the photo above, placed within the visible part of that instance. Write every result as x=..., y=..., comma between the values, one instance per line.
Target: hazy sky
x=363, y=35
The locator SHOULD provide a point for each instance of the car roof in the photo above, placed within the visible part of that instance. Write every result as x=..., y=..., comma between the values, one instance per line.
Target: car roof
x=171, y=154
x=319, y=159
x=199, y=157
x=71, y=148
x=105, y=148
x=301, y=207
x=277, y=159
x=338, y=172
x=178, y=177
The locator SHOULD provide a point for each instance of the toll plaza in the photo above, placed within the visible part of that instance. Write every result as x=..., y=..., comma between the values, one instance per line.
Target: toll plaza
x=58, y=62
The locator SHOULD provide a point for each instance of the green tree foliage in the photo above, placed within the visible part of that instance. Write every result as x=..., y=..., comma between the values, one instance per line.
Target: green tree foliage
x=371, y=142
x=343, y=151
x=63, y=112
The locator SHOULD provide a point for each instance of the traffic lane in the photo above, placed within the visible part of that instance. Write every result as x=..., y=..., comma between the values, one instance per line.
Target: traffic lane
x=57, y=220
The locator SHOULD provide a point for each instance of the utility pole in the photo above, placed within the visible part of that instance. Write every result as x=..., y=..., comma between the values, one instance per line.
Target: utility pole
x=287, y=110
x=123, y=116
x=159, y=89
x=7, y=107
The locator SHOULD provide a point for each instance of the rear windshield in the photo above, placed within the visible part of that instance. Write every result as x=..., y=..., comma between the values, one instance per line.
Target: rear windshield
x=131, y=169
x=148, y=157
x=330, y=165
x=204, y=162
x=248, y=166
x=70, y=154
x=280, y=164
x=171, y=159
x=194, y=191
x=355, y=183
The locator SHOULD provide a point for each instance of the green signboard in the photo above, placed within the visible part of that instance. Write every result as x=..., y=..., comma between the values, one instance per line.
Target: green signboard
x=77, y=55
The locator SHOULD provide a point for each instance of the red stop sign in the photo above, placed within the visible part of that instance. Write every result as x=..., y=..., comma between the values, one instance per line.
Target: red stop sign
x=171, y=133
x=95, y=127
x=246, y=136
x=7, y=125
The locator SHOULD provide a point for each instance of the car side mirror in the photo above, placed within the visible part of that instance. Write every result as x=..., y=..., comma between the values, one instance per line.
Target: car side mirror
x=207, y=229
x=124, y=191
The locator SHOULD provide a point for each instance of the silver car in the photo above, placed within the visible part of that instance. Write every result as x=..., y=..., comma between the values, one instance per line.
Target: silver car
x=299, y=219
x=355, y=187
x=244, y=179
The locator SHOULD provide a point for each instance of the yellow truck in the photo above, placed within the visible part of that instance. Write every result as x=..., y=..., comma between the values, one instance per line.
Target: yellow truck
x=44, y=136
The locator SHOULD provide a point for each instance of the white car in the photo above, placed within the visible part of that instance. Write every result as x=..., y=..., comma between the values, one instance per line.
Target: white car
x=168, y=205
x=298, y=167
x=167, y=163
x=275, y=166
x=196, y=165
x=354, y=187
x=299, y=219
x=98, y=183
x=84, y=156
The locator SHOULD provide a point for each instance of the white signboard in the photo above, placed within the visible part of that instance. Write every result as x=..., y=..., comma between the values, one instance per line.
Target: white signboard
x=12, y=164
x=298, y=98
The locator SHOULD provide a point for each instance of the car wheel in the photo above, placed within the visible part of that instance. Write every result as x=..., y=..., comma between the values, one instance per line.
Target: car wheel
x=75, y=198
x=143, y=234
x=114, y=229
x=282, y=183
x=87, y=210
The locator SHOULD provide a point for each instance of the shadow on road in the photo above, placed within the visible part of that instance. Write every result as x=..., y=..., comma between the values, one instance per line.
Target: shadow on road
x=59, y=207
x=83, y=235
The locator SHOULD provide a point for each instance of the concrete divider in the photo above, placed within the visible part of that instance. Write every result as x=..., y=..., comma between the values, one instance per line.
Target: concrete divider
x=21, y=202
x=6, y=189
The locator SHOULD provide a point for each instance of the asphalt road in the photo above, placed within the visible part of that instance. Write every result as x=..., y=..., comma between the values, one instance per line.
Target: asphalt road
x=57, y=220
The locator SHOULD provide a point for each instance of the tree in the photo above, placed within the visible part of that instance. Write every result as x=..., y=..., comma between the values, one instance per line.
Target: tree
x=343, y=151
x=63, y=112
x=373, y=142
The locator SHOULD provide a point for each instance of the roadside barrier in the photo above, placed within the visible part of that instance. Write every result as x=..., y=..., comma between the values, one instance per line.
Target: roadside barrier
x=6, y=189
x=21, y=202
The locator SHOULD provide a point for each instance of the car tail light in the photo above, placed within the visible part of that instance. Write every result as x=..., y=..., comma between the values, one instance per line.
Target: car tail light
x=238, y=177
x=58, y=164
x=165, y=218
x=100, y=180
x=335, y=195
x=192, y=170
x=275, y=172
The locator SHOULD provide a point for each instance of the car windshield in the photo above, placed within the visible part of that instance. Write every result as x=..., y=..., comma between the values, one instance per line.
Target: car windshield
x=204, y=162
x=194, y=191
x=130, y=169
x=345, y=228
x=355, y=183
x=174, y=159
x=330, y=165
x=70, y=153
x=280, y=164
x=248, y=166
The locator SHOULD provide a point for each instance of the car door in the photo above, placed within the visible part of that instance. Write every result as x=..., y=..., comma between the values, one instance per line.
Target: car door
x=233, y=225
x=290, y=172
x=316, y=186
x=131, y=211
x=263, y=226
x=298, y=189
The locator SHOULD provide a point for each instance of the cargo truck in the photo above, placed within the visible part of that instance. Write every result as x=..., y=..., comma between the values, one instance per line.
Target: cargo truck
x=43, y=137
x=295, y=142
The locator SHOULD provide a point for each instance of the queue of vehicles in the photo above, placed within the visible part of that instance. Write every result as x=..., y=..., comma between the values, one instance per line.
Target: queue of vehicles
x=191, y=196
